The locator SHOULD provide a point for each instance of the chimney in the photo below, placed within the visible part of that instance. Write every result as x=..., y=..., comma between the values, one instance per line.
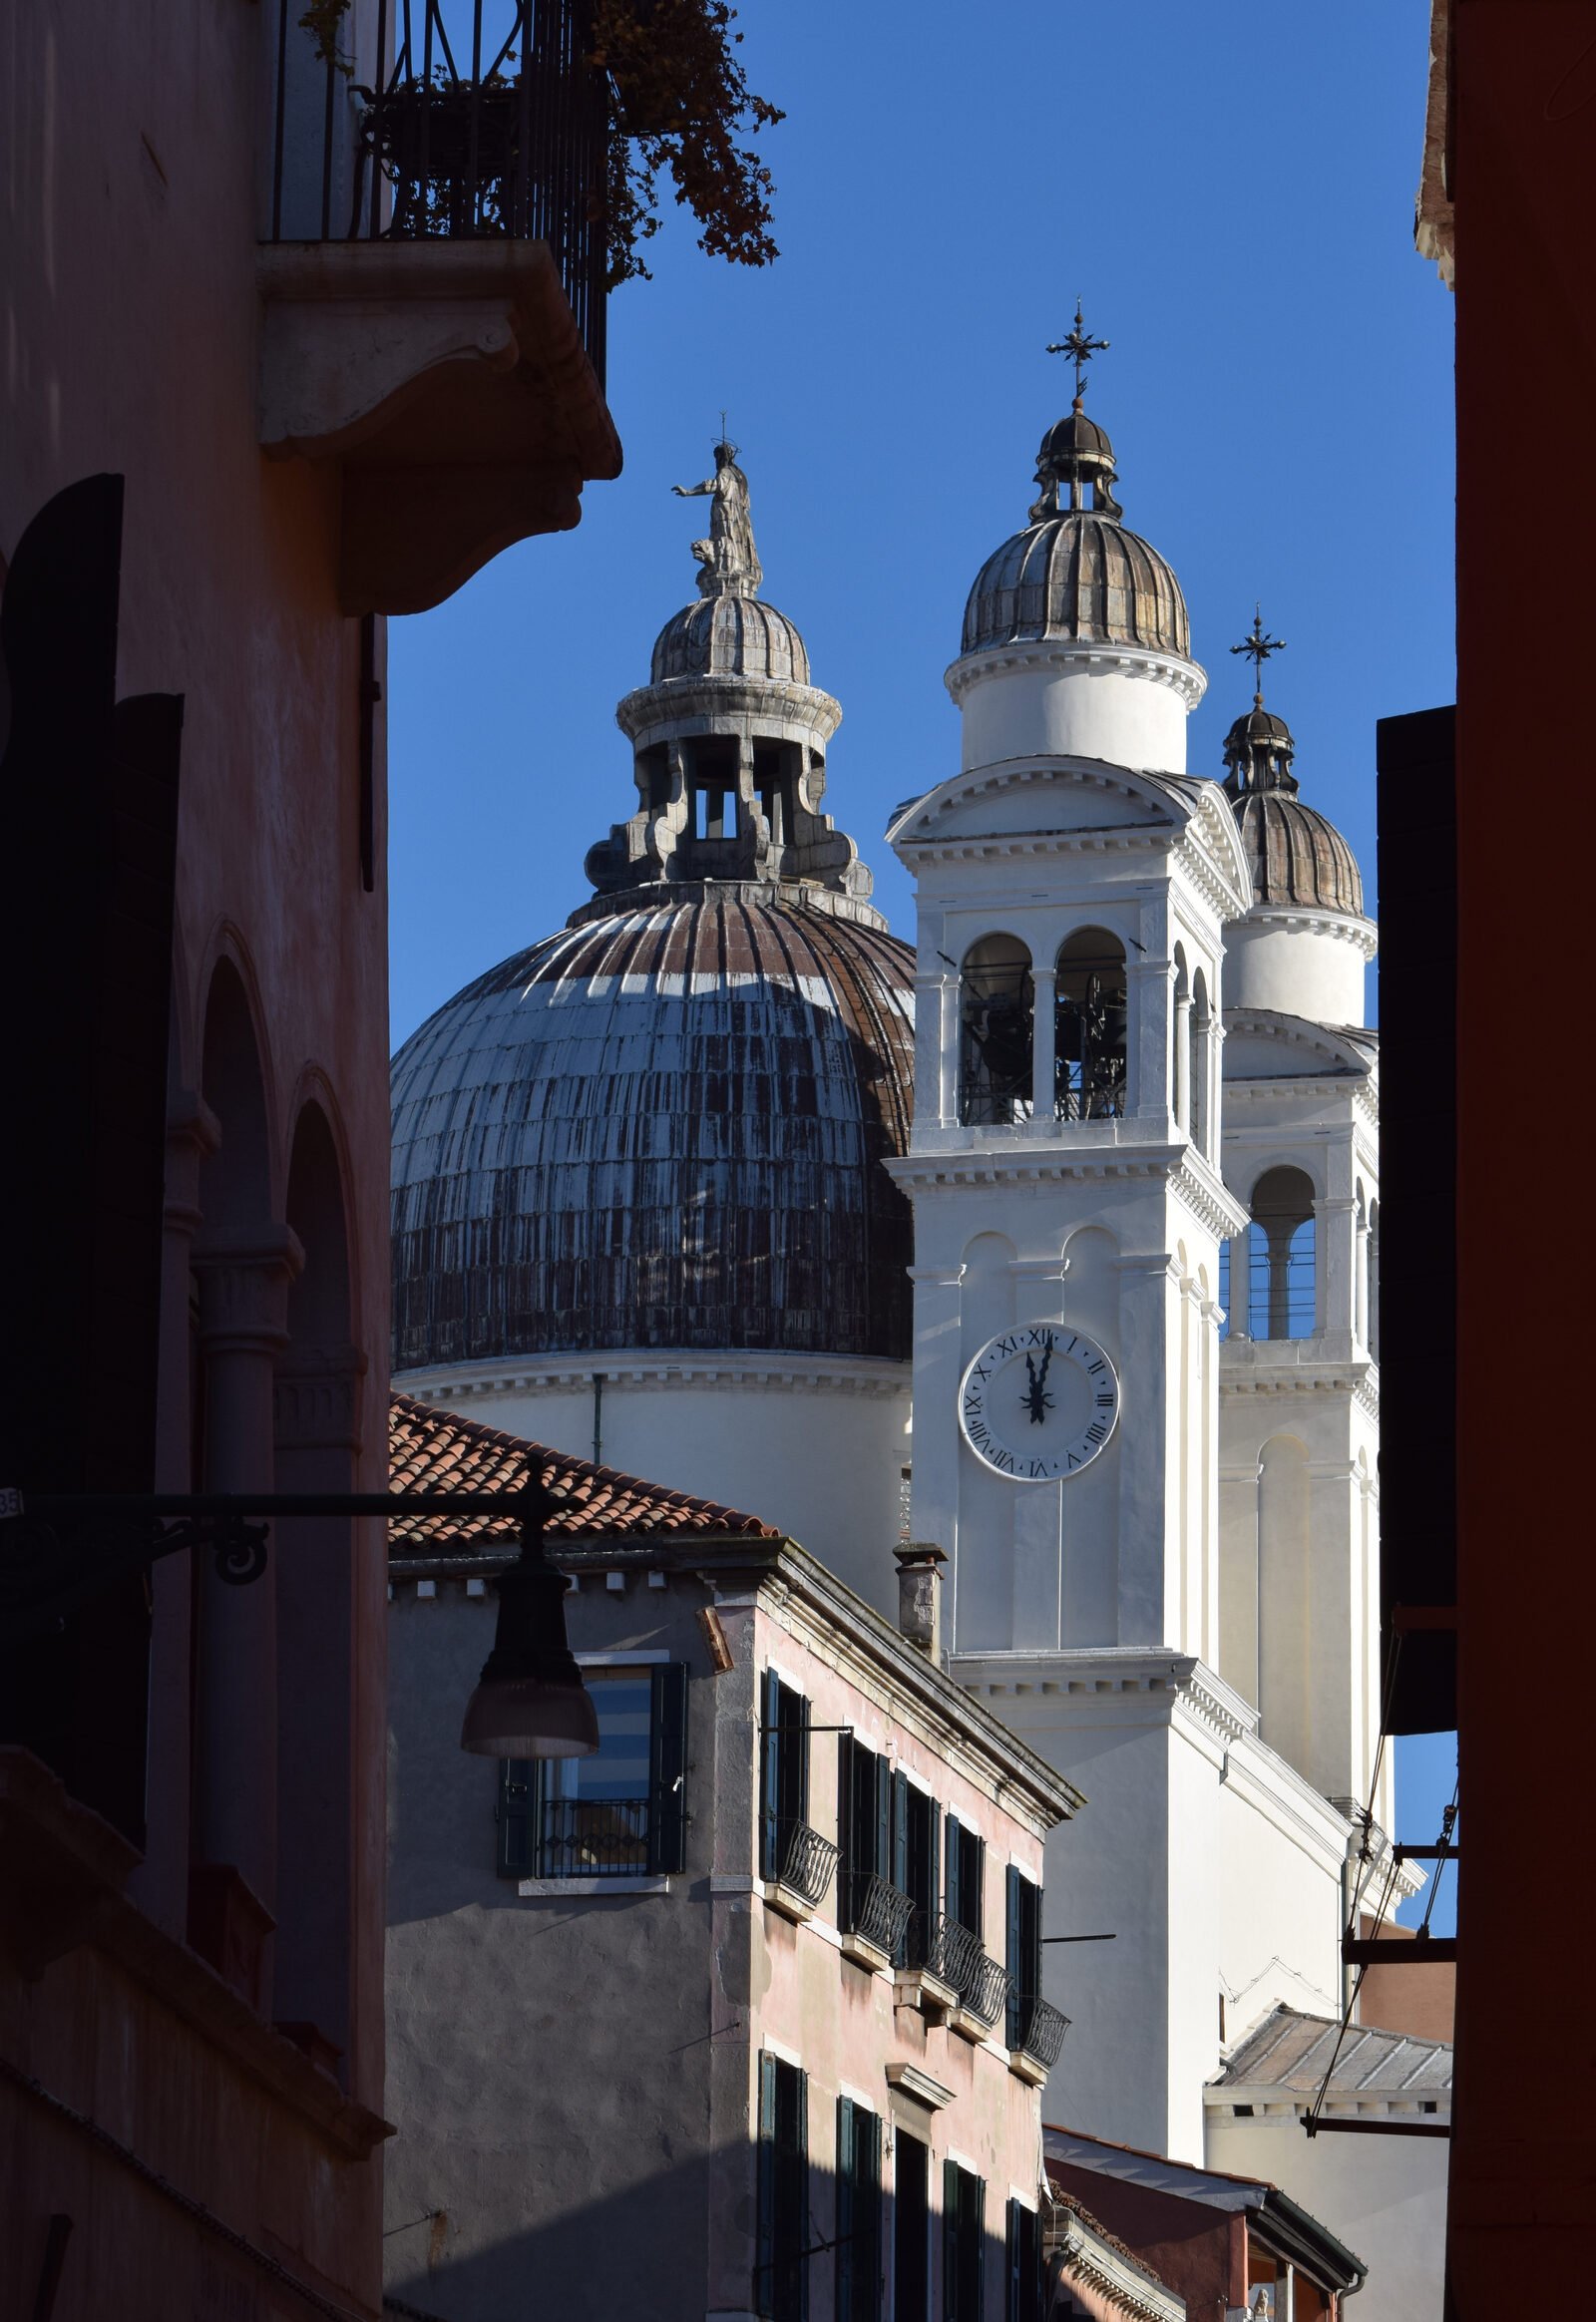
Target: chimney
x=920, y=1565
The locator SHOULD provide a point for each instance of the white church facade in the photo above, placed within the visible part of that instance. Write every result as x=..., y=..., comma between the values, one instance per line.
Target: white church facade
x=1051, y=1239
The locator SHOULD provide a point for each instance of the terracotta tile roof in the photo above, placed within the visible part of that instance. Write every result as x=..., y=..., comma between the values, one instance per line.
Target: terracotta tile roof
x=433, y=1449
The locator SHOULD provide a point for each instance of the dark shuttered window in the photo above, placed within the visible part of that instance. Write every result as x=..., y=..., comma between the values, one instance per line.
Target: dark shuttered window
x=1022, y=1950
x=858, y=2214
x=963, y=2243
x=783, y=1771
x=1024, y=2250
x=781, y=2270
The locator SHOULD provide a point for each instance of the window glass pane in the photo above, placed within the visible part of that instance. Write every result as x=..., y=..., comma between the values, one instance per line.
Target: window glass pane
x=619, y=1767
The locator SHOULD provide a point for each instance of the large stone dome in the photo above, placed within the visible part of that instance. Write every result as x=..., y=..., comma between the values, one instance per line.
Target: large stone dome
x=661, y=1129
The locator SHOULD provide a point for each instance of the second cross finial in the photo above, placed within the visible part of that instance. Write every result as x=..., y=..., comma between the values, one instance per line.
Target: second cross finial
x=1080, y=347
x=1258, y=644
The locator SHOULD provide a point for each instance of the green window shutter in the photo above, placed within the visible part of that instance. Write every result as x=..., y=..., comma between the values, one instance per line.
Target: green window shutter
x=867, y=2218
x=977, y=2233
x=951, y=1883
x=1013, y=2310
x=845, y=1826
x=973, y=1879
x=933, y=1863
x=667, y=1765
x=769, y=1771
x=882, y=1863
x=800, y=2234
x=516, y=1816
x=950, y=2237
x=1012, y=1959
x=803, y=1759
x=847, y=2207
x=765, y=2265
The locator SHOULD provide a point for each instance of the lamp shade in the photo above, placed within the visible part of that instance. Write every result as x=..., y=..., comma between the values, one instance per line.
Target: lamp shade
x=525, y=1716
x=530, y=1701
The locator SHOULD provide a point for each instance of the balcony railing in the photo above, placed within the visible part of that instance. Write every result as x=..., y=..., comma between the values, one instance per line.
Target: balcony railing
x=804, y=1860
x=594, y=1837
x=954, y=1954
x=447, y=119
x=877, y=1911
x=1036, y=2028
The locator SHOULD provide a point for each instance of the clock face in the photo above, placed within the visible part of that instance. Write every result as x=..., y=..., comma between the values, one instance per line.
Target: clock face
x=1039, y=1402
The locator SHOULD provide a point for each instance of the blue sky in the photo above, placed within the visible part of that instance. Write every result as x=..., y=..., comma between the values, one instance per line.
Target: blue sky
x=1228, y=187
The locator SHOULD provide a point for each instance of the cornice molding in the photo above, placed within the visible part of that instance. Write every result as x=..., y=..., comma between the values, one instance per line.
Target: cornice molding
x=1187, y=679
x=651, y=1371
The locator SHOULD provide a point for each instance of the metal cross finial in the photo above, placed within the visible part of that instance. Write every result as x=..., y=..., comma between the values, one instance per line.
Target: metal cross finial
x=1080, y=347
x=1258, y=644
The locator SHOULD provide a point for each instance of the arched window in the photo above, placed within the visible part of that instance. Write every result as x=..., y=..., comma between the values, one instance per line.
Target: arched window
x=997, y=1004
x=1181, y=1053
x=1197, y=1062
x=1281, y=1257
x=1090, y=1042
x=1373, y=1280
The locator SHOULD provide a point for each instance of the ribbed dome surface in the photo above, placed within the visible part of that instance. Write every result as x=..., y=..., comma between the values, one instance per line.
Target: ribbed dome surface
x=729, y=636
x=1077, y=574
x=1296, y=855
x=661, y=1129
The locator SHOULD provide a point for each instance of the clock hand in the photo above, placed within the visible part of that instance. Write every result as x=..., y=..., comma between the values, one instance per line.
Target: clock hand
x=1046, y=1359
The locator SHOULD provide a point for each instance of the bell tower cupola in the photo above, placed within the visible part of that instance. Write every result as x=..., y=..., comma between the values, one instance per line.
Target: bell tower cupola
x=1303, y=947
x=1076, y=637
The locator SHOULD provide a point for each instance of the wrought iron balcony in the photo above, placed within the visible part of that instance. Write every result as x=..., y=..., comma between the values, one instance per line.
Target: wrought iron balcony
x=876, y=1912
x=954, y=1954
x=593, y=1837
x=447, y=119
x=804, y=1861
x=1036, y=2029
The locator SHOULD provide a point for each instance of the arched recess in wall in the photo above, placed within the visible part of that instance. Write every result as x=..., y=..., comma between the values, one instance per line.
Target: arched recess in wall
x=987, y=1290
x=240, y=1261
x=1199, y=1061
x=1091, y=1284
x=997, y=1004
x=1373, y=1280
x=1282, y=1256
x=1285, y=1672
x=1180, y=1053
x=317, y=1441
x=1090, y=1045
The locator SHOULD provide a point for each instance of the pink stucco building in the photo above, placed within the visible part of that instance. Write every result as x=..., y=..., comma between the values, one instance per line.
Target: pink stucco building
x=754, y=2025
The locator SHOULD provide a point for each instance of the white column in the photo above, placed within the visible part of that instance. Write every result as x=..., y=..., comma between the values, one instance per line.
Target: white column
x=244, y=1298
x=1241, y=1282
x=1334, y=1262
x=1361, y=1280
x=1149, y=983
x=1045, y=1028
x=1182, y=1075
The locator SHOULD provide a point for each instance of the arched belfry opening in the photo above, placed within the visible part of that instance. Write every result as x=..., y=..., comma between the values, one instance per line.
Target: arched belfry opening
x=1199, y=1062
x=1282, y=1256
x=996, y=1027
x=1090, y=1049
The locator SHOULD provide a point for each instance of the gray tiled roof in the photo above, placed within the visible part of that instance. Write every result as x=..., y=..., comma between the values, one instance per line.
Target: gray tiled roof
x=1287, y=2054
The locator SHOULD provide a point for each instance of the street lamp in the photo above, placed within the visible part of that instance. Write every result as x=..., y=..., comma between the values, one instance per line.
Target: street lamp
x=59, y=1550
x=530, y=1701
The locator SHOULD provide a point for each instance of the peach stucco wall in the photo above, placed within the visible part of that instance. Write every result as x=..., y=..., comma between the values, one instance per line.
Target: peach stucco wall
x=133, y=138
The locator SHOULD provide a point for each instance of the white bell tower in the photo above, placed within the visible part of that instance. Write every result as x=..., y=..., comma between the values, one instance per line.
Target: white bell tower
x=1075, y=887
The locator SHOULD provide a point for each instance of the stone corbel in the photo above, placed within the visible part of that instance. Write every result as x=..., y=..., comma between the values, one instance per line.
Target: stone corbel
x=449, y=381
